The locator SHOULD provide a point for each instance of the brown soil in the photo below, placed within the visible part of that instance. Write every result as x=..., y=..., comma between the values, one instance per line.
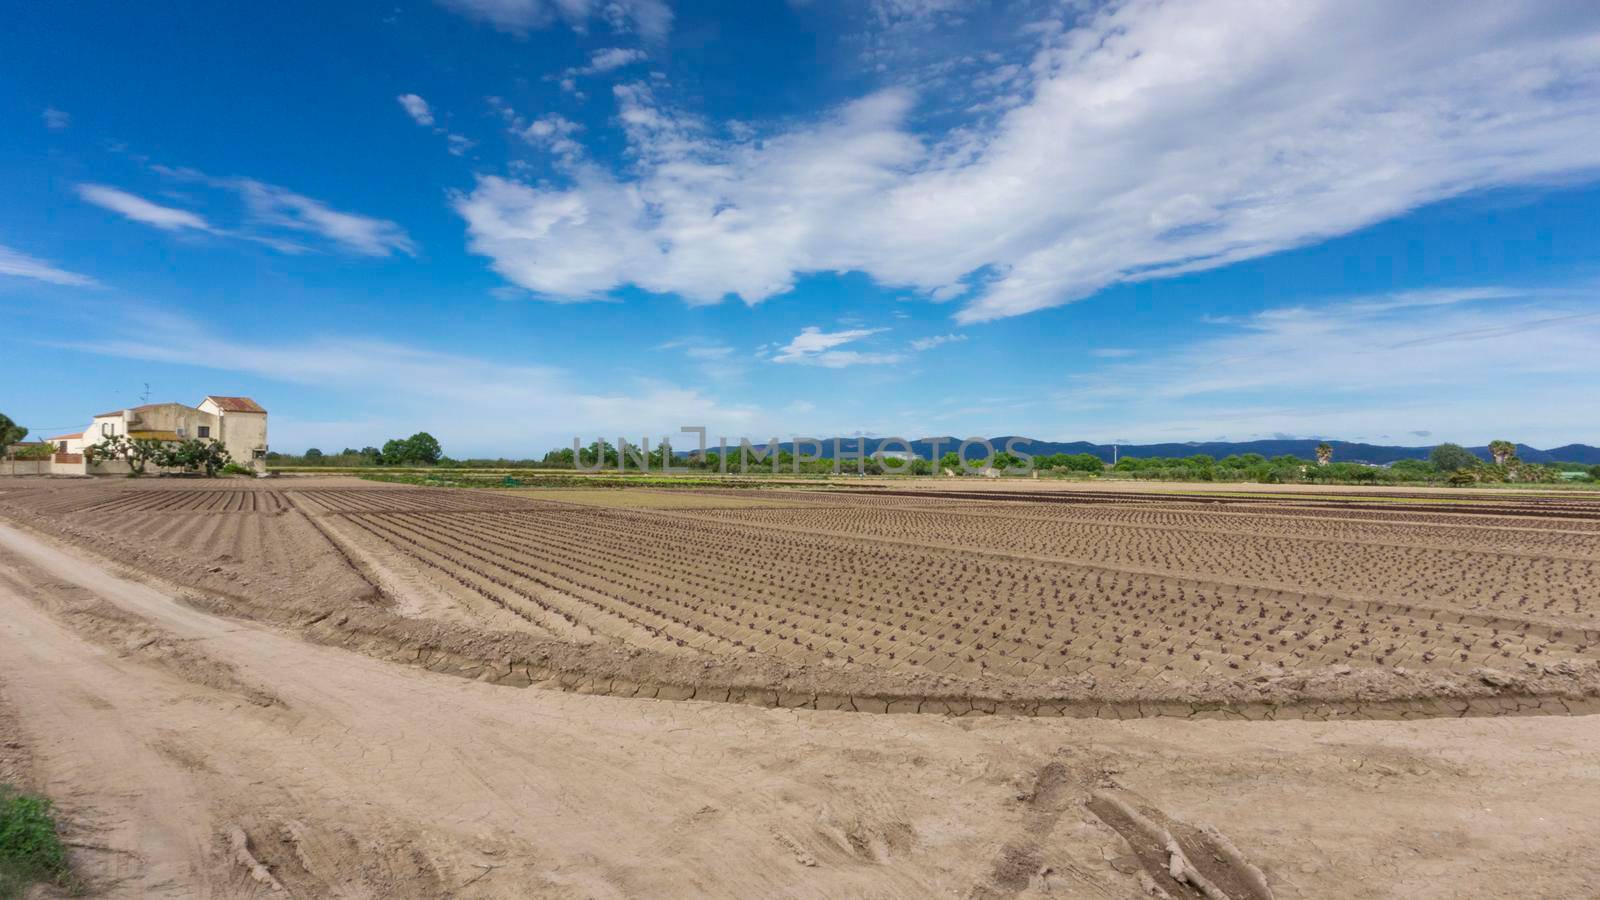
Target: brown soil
x=370, y=779
x=363, y=778
x=1121, y=609
x=252, y=753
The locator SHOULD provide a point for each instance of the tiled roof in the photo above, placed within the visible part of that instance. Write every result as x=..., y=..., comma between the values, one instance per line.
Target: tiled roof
x=236, y=404
x=67, y=437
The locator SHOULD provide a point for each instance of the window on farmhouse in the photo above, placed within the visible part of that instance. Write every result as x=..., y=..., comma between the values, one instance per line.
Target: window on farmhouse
x=205, y=431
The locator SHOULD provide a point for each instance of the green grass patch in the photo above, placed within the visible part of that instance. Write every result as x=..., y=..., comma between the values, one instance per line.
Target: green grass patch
x=30, y=848
x=570, y=479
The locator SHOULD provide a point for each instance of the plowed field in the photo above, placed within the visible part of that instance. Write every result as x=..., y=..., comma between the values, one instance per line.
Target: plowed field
x=1034, y=601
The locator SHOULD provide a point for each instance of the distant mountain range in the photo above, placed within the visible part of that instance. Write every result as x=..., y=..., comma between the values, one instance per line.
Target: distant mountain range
x=1343, y=451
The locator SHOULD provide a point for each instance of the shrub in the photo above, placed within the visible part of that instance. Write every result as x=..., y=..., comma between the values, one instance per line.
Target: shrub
x=234, y=468
x=30, y=849
x=34, y=451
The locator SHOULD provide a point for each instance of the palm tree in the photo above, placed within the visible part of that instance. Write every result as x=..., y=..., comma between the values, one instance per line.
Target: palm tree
x=1324, y=453
x=1502, y=451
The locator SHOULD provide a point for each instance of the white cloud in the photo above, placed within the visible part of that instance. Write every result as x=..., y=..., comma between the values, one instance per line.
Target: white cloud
x=283, y=208
x=1450, y=362
x=138, y=209
x=890, y=11
x=712, y=358
x=266, y=208
x=1151, y=140
x=473, y=404
x=815, y=347
x=651, y=19
x=416, y=108
x=743, y=221
x=938, y=340
x=1111, y=352
x=601, y=61
x=699, y=348
x=613, y=58
x=421, y=113
x=554, y=132
x=55, y=119
x=20, y=265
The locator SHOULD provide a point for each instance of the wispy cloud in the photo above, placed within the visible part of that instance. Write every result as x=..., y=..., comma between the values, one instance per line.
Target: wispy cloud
x=17, y=264
x=417, y=108
x=461, y=399
x=711, y=357
x=938, y=340
x=601, y=61
x=553, y=132
x=1202, y=134
x=138, y=209
x=283, y=208
x=699, y=348
x=271, y=216
x=423, y=114
x=815, y=347
x=55, y=119
x=1448, y=362
x=650, y=19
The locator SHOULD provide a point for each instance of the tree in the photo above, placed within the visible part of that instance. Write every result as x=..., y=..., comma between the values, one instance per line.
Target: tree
x=951, y=461
x=1324, y=453
x=313, y=455
x=1502, y=451
x=194, y=455
x=10, y=432
x=137, y=452
x=1414, y=469
x=1452, y=458
x=422, y=447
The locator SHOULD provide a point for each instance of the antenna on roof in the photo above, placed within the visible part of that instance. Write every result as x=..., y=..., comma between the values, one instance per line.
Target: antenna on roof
x=145, y=397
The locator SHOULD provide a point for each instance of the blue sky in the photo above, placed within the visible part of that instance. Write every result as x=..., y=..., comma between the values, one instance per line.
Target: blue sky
x=509, y=222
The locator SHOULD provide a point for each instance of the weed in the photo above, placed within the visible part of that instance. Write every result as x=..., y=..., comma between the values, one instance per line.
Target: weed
x=30, y=849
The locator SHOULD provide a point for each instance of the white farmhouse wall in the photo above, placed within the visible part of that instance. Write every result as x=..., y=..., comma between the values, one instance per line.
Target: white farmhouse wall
x=243, y=434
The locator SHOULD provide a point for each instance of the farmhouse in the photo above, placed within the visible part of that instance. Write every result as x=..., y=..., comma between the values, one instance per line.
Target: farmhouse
x=238, y=423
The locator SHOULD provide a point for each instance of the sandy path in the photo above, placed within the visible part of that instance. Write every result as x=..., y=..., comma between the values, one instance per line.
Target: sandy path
x=370, y=778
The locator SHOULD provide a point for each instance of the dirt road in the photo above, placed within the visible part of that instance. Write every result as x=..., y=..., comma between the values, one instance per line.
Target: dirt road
x=198, y=756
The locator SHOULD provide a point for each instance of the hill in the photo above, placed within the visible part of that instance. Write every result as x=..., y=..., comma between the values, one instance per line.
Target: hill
x=1343, y=451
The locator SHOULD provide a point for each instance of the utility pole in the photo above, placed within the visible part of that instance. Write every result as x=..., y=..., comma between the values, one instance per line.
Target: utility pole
x=1113, y=454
